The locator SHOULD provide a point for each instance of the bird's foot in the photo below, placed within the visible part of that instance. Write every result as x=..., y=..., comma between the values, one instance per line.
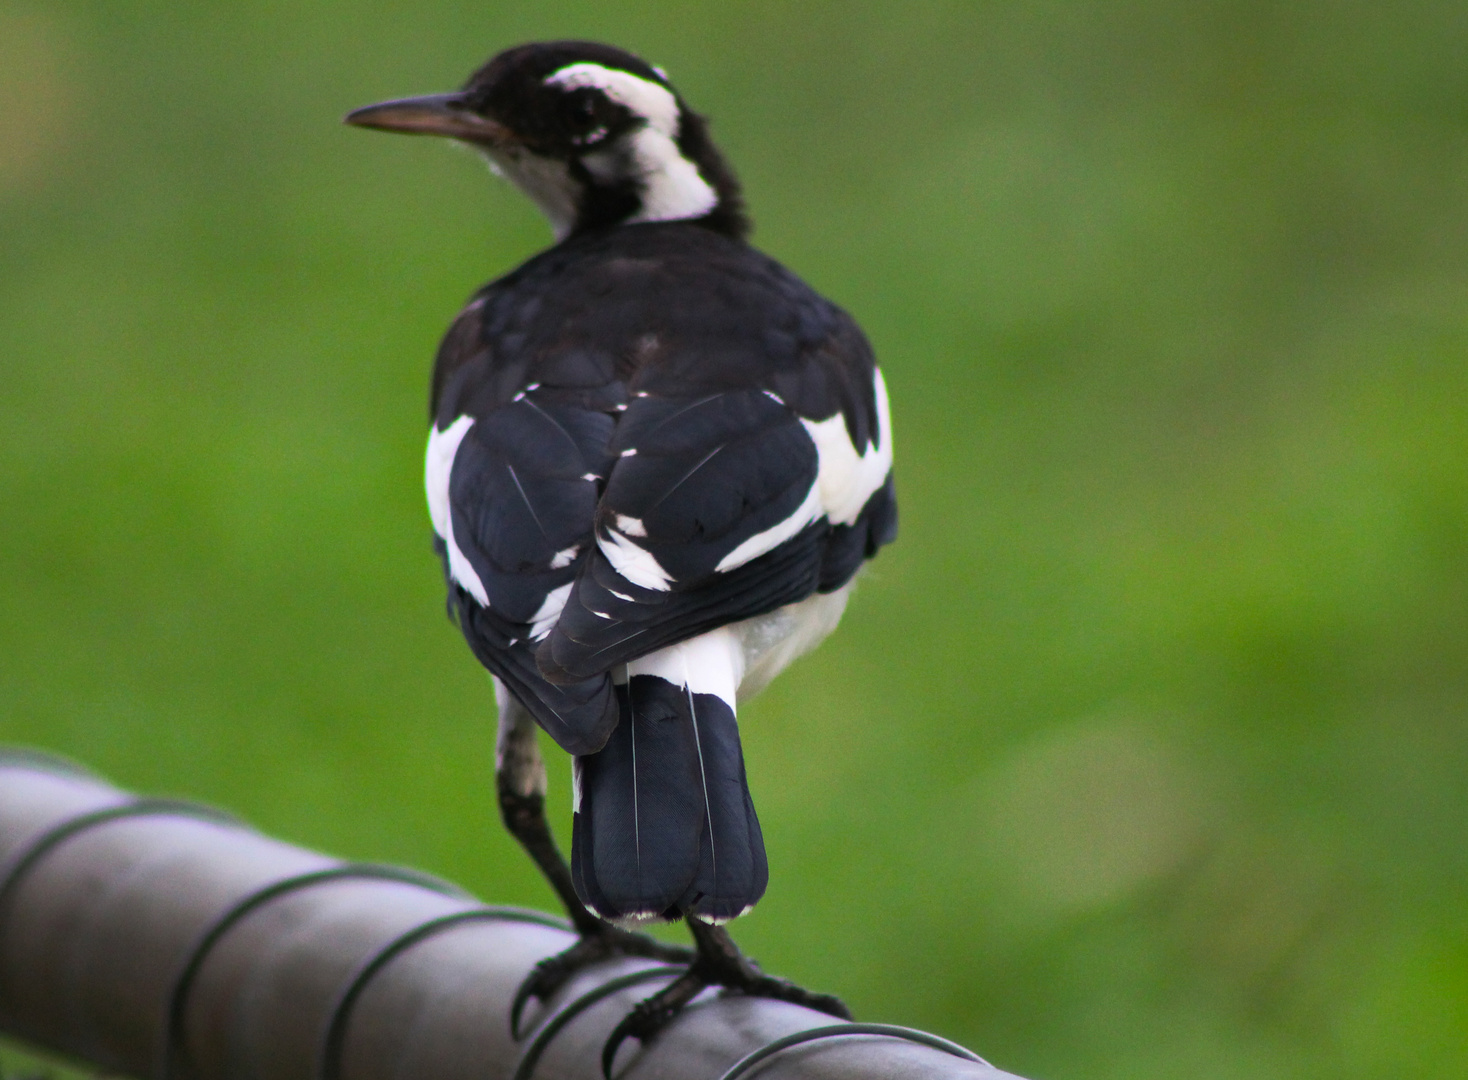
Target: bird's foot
x=600, y=942
x=719, y=963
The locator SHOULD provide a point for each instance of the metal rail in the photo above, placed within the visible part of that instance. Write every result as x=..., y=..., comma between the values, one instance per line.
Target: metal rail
x=158, y=939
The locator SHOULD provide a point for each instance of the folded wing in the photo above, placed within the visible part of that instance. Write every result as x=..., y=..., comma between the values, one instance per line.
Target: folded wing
x=718, y=508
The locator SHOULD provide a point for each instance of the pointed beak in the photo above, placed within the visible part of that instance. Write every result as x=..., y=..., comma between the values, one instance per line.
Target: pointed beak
x=431, y=114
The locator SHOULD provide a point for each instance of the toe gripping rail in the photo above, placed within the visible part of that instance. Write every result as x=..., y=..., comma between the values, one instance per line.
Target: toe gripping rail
x=160, y=939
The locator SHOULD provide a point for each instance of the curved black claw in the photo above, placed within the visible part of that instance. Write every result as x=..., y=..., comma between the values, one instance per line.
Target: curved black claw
x=551, y=974
x=650, y=1016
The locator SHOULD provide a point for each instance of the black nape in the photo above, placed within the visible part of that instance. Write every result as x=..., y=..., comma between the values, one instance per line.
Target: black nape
x=729, y=215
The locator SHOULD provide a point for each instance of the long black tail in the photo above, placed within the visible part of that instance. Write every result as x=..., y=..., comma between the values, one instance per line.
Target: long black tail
x=664, y=823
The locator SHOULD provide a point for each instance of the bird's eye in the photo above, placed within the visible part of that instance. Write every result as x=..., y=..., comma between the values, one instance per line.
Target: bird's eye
x=585, y=116
x=584, y=109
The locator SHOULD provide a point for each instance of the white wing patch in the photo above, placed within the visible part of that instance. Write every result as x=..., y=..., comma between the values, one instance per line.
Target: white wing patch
x=776, y=535
x=845, y=480
x=437, y=468
x=442, y=446
x=636, y=564
x=544, y=620
x=848, y=477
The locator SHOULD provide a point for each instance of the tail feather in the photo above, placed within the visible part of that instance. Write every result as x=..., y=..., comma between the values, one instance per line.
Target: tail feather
x=732, y=869
x=664, y=822
x=639, y=809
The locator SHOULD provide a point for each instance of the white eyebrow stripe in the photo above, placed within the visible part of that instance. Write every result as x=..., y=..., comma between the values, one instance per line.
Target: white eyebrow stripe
x=671, y=187
x=656, y=104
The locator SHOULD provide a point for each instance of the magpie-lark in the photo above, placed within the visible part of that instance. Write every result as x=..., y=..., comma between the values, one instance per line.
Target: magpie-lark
x=657, y=460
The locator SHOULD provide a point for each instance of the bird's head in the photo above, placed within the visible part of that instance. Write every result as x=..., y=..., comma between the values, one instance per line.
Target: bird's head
x=592, y=134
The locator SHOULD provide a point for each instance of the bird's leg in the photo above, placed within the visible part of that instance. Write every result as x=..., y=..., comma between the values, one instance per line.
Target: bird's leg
x=718, y=962
x=521, y=784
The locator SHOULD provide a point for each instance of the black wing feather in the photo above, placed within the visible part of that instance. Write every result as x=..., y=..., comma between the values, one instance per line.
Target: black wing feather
x=700, y=355
x=756, y=466
x=521, y=495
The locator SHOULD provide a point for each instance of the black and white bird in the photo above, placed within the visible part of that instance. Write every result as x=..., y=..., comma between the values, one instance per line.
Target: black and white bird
x=657, y=461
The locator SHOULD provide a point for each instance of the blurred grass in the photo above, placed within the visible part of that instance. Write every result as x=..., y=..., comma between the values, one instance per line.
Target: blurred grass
x=1141, y=755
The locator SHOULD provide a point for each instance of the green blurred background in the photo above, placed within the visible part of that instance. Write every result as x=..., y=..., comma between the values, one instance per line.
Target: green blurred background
x=1142, y=754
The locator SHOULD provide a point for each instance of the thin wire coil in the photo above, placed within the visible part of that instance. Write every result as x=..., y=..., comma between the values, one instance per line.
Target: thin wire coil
x=742, y=1067
x=525, y=1067
x=334, y=1041
x=175, y=1059
x=14, y=870
x=30, y=855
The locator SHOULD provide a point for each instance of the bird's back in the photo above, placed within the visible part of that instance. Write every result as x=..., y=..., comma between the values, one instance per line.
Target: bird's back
x=673, y=307
x=627, y=452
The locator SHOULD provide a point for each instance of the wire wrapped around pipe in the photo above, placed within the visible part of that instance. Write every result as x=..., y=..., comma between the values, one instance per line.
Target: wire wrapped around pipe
x=154, y=939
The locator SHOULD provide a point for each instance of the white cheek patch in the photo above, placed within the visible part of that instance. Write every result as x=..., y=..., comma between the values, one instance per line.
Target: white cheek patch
x=672, y=187
x=848, y=478
x=437, y=469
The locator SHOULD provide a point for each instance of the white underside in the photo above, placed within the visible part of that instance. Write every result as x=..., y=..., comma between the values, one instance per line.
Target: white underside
x=770, y=643
x=737, y=661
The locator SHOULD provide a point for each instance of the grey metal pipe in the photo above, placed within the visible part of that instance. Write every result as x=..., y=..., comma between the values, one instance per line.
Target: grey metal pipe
x=154, y=939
